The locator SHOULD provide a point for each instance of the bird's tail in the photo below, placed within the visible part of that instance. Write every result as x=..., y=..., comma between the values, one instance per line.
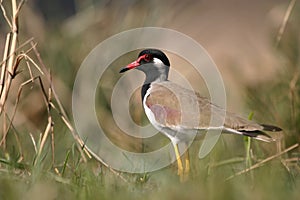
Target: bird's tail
x=258, y=135
x=261, y=135
x=270, y=128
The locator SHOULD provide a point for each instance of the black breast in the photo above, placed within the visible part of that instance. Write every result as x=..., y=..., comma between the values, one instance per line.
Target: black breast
x=144, y=90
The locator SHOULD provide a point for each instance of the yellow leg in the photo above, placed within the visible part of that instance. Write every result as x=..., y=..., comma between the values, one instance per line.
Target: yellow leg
x=179, y=162
x=187, y=162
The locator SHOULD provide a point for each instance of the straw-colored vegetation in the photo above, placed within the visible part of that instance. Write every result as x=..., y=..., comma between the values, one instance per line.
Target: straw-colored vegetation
x=42, y=157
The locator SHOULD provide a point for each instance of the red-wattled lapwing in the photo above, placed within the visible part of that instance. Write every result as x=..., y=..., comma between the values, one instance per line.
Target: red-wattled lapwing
x=160, y=99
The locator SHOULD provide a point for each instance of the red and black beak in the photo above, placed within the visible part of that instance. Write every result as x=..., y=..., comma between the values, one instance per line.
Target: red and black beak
x=130, y=66
x=136, y=63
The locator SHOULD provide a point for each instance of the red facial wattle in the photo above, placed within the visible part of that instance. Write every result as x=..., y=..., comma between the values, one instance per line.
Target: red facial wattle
x=145, y=57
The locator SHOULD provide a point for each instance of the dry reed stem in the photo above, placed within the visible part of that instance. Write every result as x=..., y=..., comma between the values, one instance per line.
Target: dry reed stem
x=83, y=151
x=2, y=142
x=10, y=68
x=80, y=143
x=33, y=142
x=263, y=161
x=5, y=56
x=46, y=98
x=21, y=46
x=10, y=64
x=284, y=22
x=44, y=138
x=293, y=95
x=50, y=116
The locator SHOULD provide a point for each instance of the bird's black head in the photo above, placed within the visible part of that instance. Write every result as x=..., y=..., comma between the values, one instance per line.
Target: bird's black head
x=148, y=56
x=156, y=53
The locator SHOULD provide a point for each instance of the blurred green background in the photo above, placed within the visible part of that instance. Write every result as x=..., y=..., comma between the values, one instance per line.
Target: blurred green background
x=261, y=75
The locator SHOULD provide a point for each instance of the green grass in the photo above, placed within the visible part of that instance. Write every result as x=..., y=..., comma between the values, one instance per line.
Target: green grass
x=27, y=174
x=90, y=180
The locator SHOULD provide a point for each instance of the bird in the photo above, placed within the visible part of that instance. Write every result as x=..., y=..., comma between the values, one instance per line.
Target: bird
x=162, y=98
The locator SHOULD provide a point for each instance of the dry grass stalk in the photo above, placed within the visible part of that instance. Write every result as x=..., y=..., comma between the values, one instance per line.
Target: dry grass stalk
x=293, y=95
x=10, y=66
x=12, y=57
x=80, y=143
x=264, y=161
x=61, y=111
x=284, y=22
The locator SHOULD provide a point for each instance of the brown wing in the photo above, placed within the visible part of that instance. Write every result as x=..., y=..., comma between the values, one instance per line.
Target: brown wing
x=173, y=105
x=176, y=107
